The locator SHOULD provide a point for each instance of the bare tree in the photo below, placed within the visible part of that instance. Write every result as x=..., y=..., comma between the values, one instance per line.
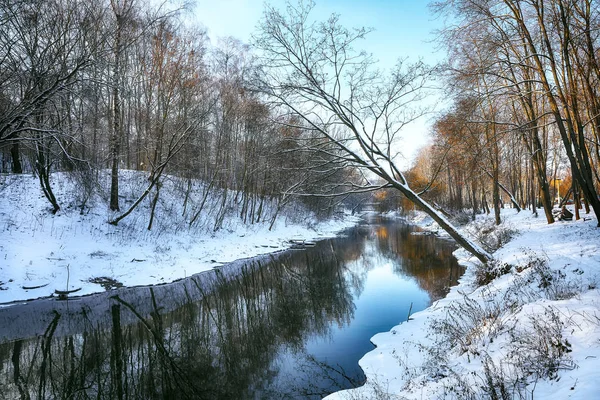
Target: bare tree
x=313, y=72
x=553, y=47
x=123, y=12
x=173, y=87
x=44, y=51
x=132, y=20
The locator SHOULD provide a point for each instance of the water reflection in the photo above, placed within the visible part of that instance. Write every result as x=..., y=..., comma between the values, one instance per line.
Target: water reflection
x=291, y=325
x=422, y=256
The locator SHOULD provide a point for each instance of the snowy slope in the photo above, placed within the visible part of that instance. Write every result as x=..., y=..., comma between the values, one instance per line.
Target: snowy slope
x=532, y=332
x=41, y=252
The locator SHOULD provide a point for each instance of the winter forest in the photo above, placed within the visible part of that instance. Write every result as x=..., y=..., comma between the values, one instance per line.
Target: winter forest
x=94, y=88
x=136, y=148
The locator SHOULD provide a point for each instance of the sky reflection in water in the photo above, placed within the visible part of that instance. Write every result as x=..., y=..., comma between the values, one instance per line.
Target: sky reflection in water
x=293, y=325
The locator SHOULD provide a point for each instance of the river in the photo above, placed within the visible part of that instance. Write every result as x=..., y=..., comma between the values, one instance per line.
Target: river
x=291, y=325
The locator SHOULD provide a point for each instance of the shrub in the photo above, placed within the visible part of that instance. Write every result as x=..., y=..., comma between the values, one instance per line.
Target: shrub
x=467, y=322
x=537, y=351
x=492, y=236
x=486, y=273
x=461, y=218
x=541, y=351
x=554, y=283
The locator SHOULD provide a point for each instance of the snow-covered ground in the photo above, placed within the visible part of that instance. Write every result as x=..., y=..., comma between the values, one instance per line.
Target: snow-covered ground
x=532, y=332
x=41, y=253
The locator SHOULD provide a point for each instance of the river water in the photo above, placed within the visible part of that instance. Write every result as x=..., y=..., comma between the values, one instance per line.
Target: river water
x=289, y=325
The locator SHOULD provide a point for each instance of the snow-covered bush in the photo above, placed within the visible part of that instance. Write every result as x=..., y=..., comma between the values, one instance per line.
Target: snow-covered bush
x=554, y=283
x=540, y=348
x=538, y=280
x=537, y=349
x=490, y=235
x=468, y=322
x=462, y=217
x=501, y=380
x=485, y=273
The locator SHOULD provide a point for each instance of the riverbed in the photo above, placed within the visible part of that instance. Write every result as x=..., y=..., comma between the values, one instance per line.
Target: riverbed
x=287, y=325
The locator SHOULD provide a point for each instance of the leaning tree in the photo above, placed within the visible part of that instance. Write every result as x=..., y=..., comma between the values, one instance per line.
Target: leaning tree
x=312, y=71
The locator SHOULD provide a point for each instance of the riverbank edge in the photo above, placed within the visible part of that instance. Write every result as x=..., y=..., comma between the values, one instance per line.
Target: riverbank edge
x=406, y=365
x=74, y=254
x=287, y=244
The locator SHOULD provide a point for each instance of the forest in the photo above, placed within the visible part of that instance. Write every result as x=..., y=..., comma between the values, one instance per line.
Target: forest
x=95, y=88
x=167, y=200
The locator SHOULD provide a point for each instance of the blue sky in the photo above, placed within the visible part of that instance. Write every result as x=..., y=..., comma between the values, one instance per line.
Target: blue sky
x=403, y=28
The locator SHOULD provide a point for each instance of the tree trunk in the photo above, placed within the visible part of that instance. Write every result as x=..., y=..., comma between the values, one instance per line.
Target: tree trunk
x=154, y=202
x=539, y=162
x=188, y=190
x=462, y=240
x=206, y=192
x=115, y=141
x=496, y=196
x=42, y=168
x=486, y=206
x=576, y=200
x=15, y=154
x=505, y=190
x=274, y=218
x=474, y=198
x=534, y=198
x=153, y=181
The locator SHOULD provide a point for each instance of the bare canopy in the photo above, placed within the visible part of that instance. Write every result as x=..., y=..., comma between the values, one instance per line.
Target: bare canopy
x=312, y=71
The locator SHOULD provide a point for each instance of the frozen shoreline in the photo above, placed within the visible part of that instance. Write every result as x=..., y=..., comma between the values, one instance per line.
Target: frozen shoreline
x=42, y=253
x=544, y=307
x=546, y=285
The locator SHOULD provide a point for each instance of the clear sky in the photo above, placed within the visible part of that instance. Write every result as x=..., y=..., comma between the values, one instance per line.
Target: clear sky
x=403, y=28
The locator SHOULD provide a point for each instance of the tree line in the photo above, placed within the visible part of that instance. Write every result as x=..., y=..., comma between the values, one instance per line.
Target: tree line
x=105, y=86
x=97, y=87
x=524, y=123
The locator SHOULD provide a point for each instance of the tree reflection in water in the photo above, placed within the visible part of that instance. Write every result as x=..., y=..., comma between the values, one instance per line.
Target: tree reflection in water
x=221, y=335
x=422, y=256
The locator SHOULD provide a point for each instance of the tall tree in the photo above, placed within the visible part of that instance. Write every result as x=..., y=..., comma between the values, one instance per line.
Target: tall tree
x=550, y=62
x=44, y=51
x=313, y=72
x=123, y=13
x=172, y=89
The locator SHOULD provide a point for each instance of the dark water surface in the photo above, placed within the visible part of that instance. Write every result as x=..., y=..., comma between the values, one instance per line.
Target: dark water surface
x=289, y=325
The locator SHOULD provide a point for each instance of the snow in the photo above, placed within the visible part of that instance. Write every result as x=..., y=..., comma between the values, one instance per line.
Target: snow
x=41, y=252
x=535, y=330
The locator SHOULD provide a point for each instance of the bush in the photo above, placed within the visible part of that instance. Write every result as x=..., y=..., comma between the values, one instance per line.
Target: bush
x=541, y=351
x=486, y=273
x=467, y=322
x=461, y=218
x=537, y=350
x=492, y=236
x=552, y=283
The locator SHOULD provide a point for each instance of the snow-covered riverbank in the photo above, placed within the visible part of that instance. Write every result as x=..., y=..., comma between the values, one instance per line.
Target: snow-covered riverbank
x=533, y=331
x=41, y=253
